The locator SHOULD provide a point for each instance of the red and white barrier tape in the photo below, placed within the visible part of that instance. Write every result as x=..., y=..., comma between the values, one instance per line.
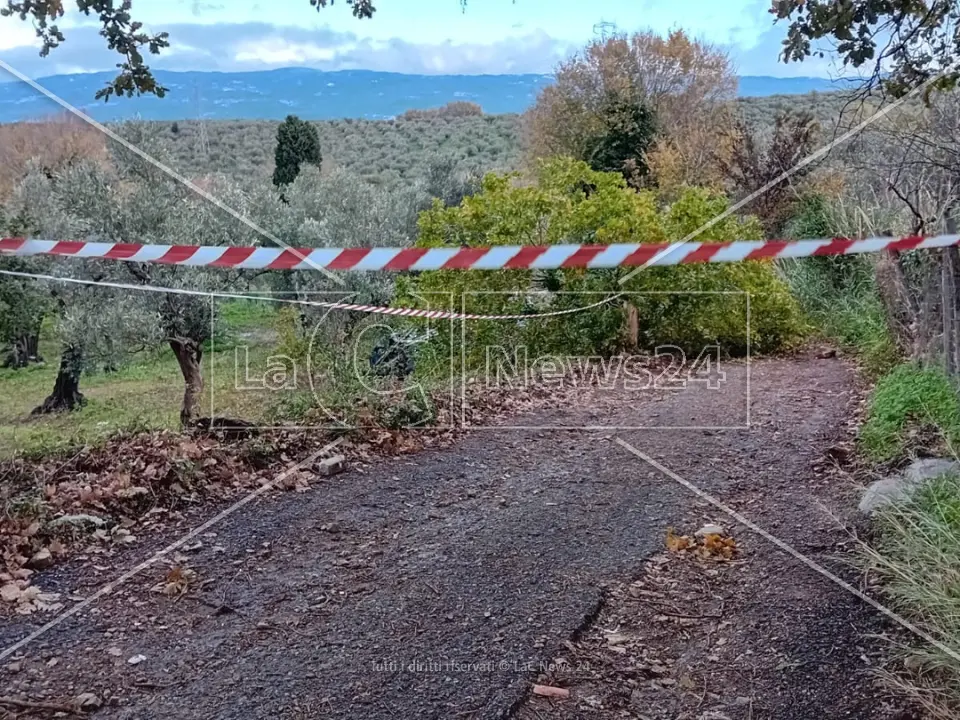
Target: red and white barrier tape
x=529, y=257
x=349, y=307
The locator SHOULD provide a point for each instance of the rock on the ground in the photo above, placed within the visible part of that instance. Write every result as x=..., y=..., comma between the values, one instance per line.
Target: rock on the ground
x=331, y=466
x=898, y=488
x=41, y=560
x=88, y=702
x=77, y=520
x=710, y=529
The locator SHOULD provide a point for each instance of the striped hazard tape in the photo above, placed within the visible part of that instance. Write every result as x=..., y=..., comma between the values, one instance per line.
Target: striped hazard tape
x=527, y=257
x=348, y=307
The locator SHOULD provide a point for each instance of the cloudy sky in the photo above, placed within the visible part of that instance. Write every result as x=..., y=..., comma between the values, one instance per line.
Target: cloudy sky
x=414, y=36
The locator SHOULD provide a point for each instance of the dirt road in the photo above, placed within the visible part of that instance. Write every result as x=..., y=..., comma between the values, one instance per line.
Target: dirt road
x=443, y=584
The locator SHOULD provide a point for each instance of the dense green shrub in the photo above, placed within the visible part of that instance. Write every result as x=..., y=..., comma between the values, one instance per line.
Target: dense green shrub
x=689, y=306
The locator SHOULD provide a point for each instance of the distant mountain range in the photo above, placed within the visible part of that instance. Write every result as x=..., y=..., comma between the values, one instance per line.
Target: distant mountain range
x=311, y=94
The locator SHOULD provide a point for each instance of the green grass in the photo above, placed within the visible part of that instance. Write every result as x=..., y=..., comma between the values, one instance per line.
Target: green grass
x=144, y=394
x=918, y=555
x=839, y=296
x=906, y=399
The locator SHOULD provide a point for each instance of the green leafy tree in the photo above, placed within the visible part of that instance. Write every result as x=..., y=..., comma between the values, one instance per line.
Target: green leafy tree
x=297, y=143
x=622, y=147
x=121, y=31
x=658, y=102
x=916, y=40
x=688, y=306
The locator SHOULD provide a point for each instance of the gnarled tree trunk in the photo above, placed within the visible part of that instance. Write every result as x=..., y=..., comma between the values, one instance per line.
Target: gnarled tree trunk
x=66, y=393
x=23, y=351
x=189, y=354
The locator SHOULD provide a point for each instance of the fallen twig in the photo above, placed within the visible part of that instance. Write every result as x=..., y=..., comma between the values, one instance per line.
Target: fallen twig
x=29, y=705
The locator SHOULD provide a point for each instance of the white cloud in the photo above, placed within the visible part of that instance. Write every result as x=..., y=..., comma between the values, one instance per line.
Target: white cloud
x=14, y=33
x=262, y=46
x=278, y=51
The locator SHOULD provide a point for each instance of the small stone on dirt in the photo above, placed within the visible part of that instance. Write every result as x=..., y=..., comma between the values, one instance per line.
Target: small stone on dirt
x=710, y=529
x=41, y=560
x=88, y=702
x=12, y=668
x=136, y=659
x=78, y=520
x=331, y=466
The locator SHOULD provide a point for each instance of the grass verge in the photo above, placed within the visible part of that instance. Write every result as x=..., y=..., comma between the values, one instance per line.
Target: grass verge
x=252, y=371
x=839, y=296
x=911, y=406
x=918, y=557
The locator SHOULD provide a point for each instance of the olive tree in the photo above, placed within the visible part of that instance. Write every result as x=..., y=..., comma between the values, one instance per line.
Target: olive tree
x=23, y=305
x=132, y=201
x=95, y=324
x=341, y=210
x=153, y=208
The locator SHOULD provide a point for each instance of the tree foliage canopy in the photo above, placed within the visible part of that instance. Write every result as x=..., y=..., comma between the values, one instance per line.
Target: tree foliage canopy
x=297, y=144
x=687, y=306
x=122, y=33
x=914, y=40
x=684, y=85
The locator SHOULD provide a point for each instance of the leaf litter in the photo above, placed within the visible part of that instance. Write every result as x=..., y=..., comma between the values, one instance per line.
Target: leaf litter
x=90, y=502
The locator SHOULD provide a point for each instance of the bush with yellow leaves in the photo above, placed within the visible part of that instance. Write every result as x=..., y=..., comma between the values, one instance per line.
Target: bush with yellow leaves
x=690, y=306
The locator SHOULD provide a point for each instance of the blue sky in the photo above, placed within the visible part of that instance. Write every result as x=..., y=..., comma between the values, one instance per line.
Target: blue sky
x=422, y=36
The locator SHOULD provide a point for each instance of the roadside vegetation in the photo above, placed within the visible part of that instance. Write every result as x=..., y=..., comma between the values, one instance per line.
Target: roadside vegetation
x=917, y=555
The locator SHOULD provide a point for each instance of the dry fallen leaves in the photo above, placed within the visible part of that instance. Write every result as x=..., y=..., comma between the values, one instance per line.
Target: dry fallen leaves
x=712, y=545
x=28, y=599
x=176, y=582
x=718, y=546
x=677, y=543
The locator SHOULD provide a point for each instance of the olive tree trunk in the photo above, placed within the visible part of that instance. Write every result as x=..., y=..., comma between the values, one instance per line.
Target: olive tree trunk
x=66, y=393
x=189, y=355
x=23, y=351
